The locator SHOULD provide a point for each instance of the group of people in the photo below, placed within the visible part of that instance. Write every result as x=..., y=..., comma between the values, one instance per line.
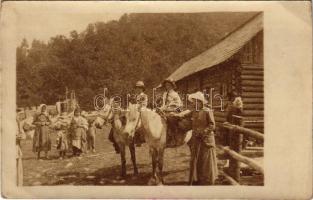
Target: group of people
x=76, y=133
x=203, y=164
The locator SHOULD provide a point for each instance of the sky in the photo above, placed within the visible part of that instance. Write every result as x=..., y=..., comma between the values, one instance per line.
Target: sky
x=41, y=21
x=45, y=26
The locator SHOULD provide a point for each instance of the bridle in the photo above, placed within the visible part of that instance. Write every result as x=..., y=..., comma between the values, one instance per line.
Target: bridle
x=139, y=119
x=105, y=118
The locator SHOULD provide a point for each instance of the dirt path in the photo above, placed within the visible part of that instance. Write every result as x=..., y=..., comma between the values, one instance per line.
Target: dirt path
x=102, y=167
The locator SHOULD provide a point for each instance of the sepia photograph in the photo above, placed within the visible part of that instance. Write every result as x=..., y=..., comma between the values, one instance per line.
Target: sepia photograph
x=143, y=97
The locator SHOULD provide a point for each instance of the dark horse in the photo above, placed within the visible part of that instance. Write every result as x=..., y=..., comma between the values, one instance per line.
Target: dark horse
x=116, y=119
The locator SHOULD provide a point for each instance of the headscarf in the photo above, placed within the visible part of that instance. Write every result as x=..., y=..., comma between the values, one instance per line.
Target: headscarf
x=238, y=103
x=77, y=110
x=40, y=109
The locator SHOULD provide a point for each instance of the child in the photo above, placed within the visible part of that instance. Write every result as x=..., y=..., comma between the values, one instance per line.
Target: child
x=91, y=136
x=62, y=144
x=203, y=164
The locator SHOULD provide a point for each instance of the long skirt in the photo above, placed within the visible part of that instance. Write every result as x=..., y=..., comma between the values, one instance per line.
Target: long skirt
x=42, y=140
x=203, y=164
x=79, y=139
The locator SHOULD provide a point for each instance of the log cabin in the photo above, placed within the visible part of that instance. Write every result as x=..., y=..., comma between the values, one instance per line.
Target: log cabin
x=235, y=63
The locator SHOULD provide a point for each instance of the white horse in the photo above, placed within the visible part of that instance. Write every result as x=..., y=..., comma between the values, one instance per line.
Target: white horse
x=115, y=117
x=155, y=130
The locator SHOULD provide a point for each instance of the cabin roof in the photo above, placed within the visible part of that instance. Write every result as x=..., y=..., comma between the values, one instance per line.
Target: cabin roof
x=221, y=51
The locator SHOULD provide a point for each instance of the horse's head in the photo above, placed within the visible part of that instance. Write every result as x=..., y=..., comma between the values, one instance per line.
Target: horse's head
x=133, y=121
x=105, y=116
x=98, y=122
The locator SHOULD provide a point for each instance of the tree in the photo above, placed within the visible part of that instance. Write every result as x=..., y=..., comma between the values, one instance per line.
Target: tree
x=116, y=54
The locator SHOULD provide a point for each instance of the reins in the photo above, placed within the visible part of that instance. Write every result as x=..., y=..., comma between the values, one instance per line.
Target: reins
x=139, y=118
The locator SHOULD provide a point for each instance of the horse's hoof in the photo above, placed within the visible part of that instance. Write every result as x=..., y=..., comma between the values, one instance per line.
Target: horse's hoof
x=160, y=183
x=152, y=181
x=119, y=180
x=134, y=177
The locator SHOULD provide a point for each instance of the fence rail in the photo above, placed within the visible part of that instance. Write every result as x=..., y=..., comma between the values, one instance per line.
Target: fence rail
x=234, y=153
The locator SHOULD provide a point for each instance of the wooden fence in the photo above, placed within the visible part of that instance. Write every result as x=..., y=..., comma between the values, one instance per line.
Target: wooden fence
x=234, y=153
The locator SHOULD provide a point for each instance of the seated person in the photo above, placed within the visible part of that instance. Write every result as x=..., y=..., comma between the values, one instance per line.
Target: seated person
x=171, y=104
x=142, y=102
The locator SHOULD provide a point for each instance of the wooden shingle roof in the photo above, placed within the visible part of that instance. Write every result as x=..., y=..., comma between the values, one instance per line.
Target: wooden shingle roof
x=221, y=51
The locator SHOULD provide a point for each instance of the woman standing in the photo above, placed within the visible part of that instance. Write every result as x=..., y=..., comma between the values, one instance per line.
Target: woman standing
x=42, y=139
x=19, y=163
x=78, y=127
x=203, y=163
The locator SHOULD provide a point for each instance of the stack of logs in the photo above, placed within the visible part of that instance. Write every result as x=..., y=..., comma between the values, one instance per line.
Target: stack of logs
x=253, y=96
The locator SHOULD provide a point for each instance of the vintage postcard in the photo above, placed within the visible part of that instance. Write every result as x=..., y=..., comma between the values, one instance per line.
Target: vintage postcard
x=156, y=99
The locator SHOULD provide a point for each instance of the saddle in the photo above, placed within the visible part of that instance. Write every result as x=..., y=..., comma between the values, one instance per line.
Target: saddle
x=177, y=129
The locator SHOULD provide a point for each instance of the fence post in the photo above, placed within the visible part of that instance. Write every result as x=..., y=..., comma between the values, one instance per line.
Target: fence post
x=236, y=145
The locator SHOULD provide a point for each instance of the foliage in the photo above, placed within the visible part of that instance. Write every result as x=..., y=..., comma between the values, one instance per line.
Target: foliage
x=147, y=47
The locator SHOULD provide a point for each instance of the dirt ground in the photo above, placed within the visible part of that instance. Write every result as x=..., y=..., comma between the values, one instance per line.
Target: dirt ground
x=103, y=166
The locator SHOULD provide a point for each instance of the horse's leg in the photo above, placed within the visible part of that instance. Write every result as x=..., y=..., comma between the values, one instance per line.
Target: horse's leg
x=123, y=161
x=154, y=163
x=153, y=178
x=160, y=164
x=133, y=157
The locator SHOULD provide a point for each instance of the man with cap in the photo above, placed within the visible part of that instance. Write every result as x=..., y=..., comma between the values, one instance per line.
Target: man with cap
x=141, y=97
x=142, y=102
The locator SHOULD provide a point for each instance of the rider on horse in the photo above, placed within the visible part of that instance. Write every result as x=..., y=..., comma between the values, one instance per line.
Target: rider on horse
x=171, y=99
x=142, y=102
x=171, y=104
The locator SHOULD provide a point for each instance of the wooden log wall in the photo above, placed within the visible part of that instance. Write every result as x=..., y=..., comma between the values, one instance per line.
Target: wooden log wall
x=242, y=73
x=219, y=78
x=253, y=95
x=251, y=85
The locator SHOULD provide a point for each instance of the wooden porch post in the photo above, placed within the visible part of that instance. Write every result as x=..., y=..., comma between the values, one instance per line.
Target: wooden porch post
x=236, y=145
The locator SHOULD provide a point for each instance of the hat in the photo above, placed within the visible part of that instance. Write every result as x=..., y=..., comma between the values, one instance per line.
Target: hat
x=198, y=96
x=77, y=110
x=169, y=80
x=140, y=84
